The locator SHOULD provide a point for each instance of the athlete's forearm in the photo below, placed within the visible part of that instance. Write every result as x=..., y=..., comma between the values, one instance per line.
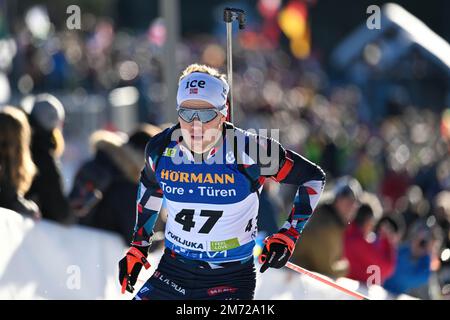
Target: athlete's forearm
x=149, y=199
x=149, y=202
x=310, y=180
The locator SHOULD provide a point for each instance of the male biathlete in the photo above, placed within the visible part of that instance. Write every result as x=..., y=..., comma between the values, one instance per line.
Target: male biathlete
x=211, y=173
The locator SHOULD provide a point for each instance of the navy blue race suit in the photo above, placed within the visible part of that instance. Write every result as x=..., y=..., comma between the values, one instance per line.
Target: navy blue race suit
x=212, y=206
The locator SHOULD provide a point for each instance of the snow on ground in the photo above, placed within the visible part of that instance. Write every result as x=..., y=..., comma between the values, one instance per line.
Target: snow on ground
x=44, y=260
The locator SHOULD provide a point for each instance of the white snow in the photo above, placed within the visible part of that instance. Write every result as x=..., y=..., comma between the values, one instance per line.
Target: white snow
x=43, y=260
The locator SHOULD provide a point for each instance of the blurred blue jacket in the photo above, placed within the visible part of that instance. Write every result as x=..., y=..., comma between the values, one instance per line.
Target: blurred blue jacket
x=409, y=272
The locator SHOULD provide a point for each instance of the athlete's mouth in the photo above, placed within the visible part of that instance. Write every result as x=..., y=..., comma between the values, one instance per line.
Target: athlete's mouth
x=196, y=137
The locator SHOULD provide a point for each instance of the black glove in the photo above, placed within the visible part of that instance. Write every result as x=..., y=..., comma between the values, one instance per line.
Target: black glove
x=276, y=252
x=131, y=265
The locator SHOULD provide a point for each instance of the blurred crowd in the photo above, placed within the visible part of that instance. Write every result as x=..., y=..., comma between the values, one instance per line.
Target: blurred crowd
x=385, y=216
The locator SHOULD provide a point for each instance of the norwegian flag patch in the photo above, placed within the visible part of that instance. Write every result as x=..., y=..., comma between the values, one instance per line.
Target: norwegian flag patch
x=193, y=91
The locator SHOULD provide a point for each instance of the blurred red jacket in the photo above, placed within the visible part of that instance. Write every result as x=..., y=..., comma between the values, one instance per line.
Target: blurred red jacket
x=361, y=254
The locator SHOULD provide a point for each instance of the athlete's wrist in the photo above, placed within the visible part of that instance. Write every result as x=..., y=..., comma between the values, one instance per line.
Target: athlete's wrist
x=282, y=238
x=142, y=246
x=290, y=233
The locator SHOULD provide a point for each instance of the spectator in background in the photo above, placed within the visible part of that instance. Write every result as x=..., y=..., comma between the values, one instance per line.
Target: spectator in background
x=442, y=213
x=394, y=224
x=415, y=207
x=395, y=182
x=46, y=117
x=413, y=267
x=363, y=249
x=16, y=166
x=105, y=187
x=321, y=248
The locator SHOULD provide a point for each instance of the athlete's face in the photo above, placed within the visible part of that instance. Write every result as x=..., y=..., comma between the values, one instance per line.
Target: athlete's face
x=198, y=136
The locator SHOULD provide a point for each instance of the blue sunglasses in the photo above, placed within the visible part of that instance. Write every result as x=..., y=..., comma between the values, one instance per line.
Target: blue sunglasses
x=203, y=115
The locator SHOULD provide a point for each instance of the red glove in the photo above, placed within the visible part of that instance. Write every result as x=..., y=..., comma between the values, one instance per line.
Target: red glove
x=131, y=265
x=276, y=252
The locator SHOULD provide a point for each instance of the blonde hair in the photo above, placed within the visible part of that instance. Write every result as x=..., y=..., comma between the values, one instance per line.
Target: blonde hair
x=195, y=67
x=16, y=165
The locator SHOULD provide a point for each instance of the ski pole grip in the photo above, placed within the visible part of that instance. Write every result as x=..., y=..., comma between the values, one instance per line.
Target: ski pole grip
x=228, y=15
x=231, y=14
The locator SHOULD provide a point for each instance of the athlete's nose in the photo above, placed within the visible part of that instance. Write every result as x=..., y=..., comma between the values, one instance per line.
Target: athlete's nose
x=197, y=128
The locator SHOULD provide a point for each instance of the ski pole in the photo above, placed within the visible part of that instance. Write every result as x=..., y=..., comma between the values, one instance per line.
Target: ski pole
x=229, y=15
x=324, y=280
x=318, y=277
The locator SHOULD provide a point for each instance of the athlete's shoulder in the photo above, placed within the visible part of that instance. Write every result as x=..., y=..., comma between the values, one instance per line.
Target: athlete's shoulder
x=155, y=146
x=251, y=135
x=238, y=132
x=253, y=148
